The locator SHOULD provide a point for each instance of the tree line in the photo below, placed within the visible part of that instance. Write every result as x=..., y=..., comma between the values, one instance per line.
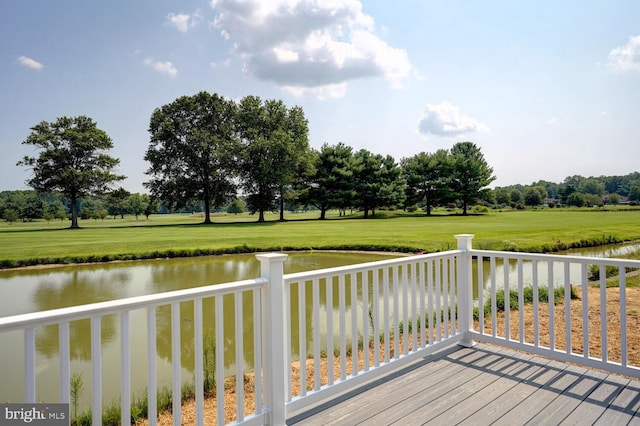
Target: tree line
x=212, y=150
x=573, y=191
x=207, y=152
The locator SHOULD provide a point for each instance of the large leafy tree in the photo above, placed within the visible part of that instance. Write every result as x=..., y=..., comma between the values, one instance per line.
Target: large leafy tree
x=332, y=184
x=427, y=177
x=74, y=160
x=471, y=173
x=275, y=151
x=192, y=151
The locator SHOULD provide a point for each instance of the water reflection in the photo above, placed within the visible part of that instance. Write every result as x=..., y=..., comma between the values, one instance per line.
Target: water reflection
x=32, y=290
x=71, y=290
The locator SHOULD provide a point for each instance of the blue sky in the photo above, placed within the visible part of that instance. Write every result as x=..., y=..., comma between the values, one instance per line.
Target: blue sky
x=547, y=89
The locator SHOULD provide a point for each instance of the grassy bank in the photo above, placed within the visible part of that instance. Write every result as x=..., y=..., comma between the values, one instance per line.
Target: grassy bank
x=543, y=230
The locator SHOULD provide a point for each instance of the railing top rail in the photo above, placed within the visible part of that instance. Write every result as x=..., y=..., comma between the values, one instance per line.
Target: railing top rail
x=629, y=263
x=71, y=313
x=360, y=267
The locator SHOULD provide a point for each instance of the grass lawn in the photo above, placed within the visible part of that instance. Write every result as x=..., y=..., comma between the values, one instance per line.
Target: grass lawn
x=176, y=235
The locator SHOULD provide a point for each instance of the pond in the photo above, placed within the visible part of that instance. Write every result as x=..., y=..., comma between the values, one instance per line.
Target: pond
x=31, y=290
x=41, y=289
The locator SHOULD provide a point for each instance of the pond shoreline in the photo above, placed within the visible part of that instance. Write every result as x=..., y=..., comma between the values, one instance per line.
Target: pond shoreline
x=390, y=250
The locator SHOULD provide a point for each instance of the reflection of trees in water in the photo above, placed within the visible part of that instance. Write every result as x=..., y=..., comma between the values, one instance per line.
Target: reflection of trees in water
x=187, y=329
x=180, y=275
x=77, y=289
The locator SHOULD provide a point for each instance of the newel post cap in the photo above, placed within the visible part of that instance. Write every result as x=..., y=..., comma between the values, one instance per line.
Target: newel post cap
x=464, y=241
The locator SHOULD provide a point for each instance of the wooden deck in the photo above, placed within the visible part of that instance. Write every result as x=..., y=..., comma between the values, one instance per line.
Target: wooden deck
x=484, y=385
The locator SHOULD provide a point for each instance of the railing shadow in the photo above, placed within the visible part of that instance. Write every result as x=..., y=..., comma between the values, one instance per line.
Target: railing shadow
x=586, y=385
x=332, y=401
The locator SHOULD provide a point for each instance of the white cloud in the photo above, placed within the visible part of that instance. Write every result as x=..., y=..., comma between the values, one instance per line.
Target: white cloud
x=322, y=92
x=626, y=57
x=309, y=46
x=555, y=120
x=183, y=21
x=162, y=67
x=224, y=63
x=30, y=63
x=444, y=119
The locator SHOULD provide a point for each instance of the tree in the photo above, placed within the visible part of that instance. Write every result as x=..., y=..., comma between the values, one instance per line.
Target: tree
x=532, y=197
x=576, y=199
x=73, y=160
x=237, y=205
x=471, y=173
x=502, y=196
x=10, y=215
x=138, y=203
x=427, y=177
x=331, y=185
x=117, y=202
x=634, y=193
x=192, y=151
x=295, y=161
x=275, y=151
x=378, y=182
x=593, y=200
x=152, y=206
x=516, y=197
x=592, y=186
x=613, y=199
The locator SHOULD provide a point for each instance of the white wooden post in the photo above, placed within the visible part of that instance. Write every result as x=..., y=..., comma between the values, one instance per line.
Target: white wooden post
x=465, y=289
x=274, y=332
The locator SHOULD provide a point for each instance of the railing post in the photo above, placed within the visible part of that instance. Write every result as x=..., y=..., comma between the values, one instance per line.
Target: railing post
x=273, y=336
x=465, y=288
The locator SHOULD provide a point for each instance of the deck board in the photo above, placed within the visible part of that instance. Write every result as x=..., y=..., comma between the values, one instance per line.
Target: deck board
x=483, y=385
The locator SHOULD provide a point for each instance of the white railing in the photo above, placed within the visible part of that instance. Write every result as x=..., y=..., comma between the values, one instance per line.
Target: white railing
x=581, y=322
x=314, y=334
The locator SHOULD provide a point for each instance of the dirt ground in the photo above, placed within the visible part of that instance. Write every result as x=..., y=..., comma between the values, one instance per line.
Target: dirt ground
x=613, y=316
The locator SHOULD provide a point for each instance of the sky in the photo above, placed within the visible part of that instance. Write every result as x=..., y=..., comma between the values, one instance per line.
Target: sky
x=547, y=89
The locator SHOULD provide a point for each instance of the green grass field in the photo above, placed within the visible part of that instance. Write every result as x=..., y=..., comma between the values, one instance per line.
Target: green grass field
x=183, y=235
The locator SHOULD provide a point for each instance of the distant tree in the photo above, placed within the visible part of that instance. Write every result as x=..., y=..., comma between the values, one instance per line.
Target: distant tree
x=634, y=193
x=237, y=205
x=532, y=197
x=33, y=207
x=428, y=178
x=192, y=151
x=576, y=199
x=73, y=160
x=10, y=215
x=117, y=202
x=502, y=196
x=593, y=200
x=566, y=189
x=99, y=214
x=516, y=196
x=331, y=185
x=573, y=181
x=471, y=173
x=378, y=182
x=55, y=209
x=551, y=188
x=152, y=207
x=591, y=186
x=137, y=204
x=613, y=199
